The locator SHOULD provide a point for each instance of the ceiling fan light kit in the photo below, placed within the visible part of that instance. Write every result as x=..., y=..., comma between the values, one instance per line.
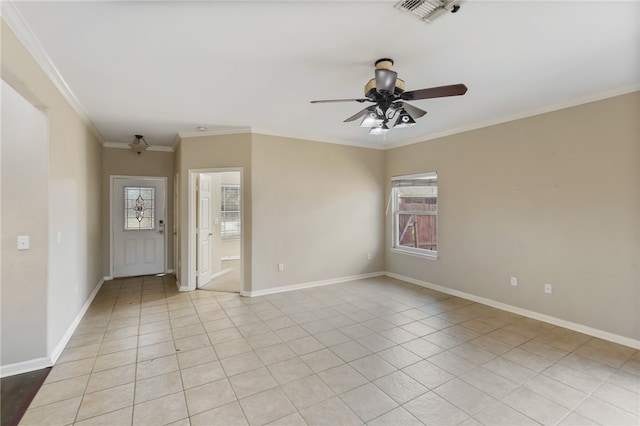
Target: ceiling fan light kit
x=404, y=120
x=372, y=118
x=379, y=130
x=387, y=91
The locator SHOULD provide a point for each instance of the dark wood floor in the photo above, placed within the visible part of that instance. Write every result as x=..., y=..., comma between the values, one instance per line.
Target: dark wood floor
x=16, y=393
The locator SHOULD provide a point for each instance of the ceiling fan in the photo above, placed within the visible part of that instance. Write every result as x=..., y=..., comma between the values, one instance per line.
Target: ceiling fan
x=390, y=109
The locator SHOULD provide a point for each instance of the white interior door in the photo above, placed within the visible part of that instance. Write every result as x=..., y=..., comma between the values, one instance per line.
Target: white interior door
x=204, y=230
x=138, y=225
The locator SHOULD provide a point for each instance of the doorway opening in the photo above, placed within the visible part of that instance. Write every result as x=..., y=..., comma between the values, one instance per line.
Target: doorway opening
x=218, y=229
x=138, y=239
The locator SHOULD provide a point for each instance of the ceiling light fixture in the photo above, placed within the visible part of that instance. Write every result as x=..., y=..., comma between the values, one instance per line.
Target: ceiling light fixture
x=380, y=122
x=139, y=145
x=380, y=130
x=374, y=118
x=405, y=120
x=201, y=129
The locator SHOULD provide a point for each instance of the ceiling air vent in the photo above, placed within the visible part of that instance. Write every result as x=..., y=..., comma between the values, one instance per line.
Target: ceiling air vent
x=428, y=10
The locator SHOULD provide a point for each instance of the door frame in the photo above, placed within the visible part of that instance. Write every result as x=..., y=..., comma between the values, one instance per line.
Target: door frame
x=112, y=179
x=191, y=227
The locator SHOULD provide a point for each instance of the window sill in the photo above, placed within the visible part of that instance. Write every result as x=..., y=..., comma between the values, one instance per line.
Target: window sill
x=430, y=256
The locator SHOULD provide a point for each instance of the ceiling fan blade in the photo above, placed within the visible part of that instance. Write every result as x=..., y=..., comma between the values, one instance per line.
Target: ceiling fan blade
x=414, y=112
x=435, y=92
x=386, y=80
x=323, y=101
x=358, y=115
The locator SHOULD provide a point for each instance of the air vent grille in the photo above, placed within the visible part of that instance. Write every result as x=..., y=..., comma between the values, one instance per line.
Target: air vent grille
x=428, y=10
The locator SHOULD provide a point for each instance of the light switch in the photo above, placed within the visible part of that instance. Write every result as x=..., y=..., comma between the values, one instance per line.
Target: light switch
x=23, y=242
x=216, y=221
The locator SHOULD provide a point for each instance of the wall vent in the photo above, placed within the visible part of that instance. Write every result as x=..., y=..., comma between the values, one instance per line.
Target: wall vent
x=428, y=10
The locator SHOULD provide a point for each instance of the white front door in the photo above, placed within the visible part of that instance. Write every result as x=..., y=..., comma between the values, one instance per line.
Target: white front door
x=138, y=225
x=204, y=230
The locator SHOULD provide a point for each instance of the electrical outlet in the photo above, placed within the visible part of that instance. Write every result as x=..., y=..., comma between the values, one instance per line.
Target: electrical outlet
x=280, y=267
x=548, y=288
x=514, y=281
x=370, y=256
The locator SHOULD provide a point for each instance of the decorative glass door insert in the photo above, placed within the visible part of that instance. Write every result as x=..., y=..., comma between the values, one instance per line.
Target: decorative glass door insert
x=139, y=209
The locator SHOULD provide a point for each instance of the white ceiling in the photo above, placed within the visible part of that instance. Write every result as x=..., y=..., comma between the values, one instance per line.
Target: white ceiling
x=163, y=68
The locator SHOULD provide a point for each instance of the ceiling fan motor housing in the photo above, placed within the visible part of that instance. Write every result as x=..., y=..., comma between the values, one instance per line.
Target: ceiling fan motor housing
x=371, y=92
x=384, y=65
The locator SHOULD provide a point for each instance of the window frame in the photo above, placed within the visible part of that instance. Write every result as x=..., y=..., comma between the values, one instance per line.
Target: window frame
x=432, y=177
x=223, y=211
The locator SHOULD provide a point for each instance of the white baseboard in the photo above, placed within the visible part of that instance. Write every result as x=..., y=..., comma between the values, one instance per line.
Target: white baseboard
x=220, y=274
x=181, y=287
x=25, y=366
x=626, y=341
x=309, y=284
x=236, y=257
x=108, y=278
x=55, y=354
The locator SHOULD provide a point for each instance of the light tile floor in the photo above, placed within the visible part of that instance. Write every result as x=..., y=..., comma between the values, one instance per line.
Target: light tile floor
x=374, y=351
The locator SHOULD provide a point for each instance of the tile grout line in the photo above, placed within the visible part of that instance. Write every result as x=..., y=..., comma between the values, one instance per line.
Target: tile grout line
x=355, y=312
x=75, y=418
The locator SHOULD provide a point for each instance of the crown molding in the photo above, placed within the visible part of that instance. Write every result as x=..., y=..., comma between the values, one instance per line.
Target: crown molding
x=14, y=19
x=120, y=145
x=374, y=144
x=524, y=114
x=176, y=142
x=216, y=132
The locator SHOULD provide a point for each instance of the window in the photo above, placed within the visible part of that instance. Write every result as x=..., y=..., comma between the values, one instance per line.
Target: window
x=230, y=211
x=415, y=214
x=139, y=205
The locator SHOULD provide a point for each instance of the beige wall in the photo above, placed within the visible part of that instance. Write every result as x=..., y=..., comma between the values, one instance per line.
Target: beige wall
x=125, y=162
x=548, y=199
x=75, y=214
x=72, y=188
x=318, y=208
x=23, y=312
x=215, y=152
x=230, y=248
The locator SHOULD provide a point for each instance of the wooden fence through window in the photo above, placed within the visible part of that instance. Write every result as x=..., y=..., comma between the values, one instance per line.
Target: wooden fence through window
x=416, y=230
